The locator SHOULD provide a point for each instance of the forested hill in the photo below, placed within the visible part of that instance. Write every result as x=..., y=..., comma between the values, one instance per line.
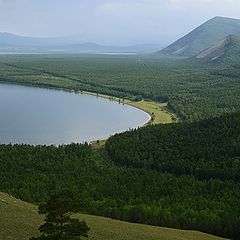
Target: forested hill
x=206, y=149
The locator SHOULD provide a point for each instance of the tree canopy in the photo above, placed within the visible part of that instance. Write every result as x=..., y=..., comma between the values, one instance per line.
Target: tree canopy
x=59, y=224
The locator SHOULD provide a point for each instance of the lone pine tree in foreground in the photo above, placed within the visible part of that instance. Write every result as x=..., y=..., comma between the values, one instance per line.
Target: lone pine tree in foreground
x=58, y=222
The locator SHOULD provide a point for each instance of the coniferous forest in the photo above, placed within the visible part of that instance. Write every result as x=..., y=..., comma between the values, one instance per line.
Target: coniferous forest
x=182, y=175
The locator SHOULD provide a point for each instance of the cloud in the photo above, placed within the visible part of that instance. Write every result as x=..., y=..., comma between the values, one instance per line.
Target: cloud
x=217, y=4
x=112, y=21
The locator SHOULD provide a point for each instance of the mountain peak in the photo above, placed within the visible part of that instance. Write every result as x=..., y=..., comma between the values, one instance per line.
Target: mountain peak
x=223, y=18
x=204, y=36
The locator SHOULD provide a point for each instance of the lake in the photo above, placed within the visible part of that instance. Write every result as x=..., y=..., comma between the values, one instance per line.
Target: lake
x=43, y=116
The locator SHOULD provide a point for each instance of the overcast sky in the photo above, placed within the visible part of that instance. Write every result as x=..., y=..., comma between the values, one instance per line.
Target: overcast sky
x=111, y=21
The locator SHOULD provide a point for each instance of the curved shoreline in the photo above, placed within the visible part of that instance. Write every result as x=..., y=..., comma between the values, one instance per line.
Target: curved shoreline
x=151, y=115
x=108, y=97
x=158, y=107
x=117, y=100
x=113, y=98
x=140, y=119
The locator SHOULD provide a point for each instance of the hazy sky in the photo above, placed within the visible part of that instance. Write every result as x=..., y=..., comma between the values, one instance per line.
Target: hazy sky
x=111, y=21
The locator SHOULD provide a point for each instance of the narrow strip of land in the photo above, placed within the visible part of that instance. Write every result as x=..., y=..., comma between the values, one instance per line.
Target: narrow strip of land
x=158, y=112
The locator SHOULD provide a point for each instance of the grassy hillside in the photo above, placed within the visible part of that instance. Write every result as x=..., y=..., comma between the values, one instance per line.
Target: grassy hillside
x=225, y=51
x=203, y=37
x=19, y=221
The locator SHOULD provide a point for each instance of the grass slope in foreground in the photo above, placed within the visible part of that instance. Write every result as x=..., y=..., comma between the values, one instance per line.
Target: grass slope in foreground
x=19, y=220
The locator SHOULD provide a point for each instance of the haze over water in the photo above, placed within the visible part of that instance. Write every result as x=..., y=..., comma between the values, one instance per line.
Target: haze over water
x=43, y=116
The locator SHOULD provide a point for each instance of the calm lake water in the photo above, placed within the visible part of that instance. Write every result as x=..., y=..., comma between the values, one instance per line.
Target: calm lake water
x=43, y=116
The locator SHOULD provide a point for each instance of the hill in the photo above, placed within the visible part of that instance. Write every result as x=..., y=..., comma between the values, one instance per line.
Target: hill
x=225, y=51
x=206, y=149
x=19, y=220
x=203, y=37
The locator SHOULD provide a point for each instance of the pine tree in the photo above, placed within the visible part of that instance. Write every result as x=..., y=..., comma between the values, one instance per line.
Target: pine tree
x=58, y=222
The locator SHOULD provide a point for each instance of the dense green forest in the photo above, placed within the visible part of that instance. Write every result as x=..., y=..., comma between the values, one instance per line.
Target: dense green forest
x=194, y=91
x=206, y=149
x=109, y=183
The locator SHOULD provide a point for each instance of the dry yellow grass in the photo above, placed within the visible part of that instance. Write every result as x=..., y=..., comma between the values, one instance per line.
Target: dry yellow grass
x=19, y=221
x=157, y=111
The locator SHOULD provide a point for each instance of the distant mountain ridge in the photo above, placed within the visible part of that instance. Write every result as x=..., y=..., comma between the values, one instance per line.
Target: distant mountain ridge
x=12, y=40
x=203, y=37
x=226, y=50
x=17, y=44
